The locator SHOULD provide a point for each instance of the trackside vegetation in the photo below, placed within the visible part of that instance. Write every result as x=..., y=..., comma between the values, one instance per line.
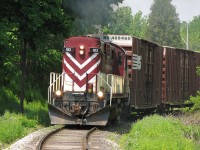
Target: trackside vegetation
x=195, y=100
x=161, y=133
x=13, y=124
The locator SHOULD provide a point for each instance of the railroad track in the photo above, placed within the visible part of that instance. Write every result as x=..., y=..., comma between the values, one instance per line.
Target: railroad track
x=73, y=139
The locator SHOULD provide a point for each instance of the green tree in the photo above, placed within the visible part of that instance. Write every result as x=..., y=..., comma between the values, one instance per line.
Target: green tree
x=139, y=25
x=194, y=30
x=164, y=24
x=121, y=21
x=9, y=57
x=34, y=21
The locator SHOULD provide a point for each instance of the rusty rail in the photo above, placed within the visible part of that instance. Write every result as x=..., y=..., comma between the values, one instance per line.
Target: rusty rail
x=47, y=136
x=85, y=141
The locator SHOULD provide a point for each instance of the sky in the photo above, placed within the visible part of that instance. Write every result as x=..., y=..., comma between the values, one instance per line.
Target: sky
x=186, y=9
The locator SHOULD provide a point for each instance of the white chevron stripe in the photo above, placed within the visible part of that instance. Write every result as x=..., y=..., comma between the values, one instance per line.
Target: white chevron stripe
x=87, y=72
x=77, y=63
x=68, y=86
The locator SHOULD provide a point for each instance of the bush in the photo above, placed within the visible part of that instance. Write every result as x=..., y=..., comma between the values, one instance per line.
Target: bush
x=195, y=101
x=13, y=126
x=156, y=132
x=33, y=94
x=8, y=101
x=37, y=111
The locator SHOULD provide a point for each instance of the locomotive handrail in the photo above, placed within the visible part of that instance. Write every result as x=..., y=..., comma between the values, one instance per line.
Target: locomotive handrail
x=49, y=95
x=53, y=81
x=109, y=87
x=56, y=78
x=108, y=76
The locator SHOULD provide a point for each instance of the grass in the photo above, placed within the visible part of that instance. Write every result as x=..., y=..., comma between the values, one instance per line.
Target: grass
x=159, y=133
x=13, y=124
x=167, y=133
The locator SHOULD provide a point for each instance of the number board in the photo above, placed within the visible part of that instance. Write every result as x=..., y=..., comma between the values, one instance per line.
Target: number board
x=69, y=49
x=95, y=50
x=118, y=39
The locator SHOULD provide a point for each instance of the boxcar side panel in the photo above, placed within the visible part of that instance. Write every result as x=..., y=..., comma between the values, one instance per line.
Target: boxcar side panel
x=181, y=79
x=146, y=86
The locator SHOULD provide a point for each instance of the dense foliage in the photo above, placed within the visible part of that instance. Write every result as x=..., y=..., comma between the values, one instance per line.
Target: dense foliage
x=29, y=24
x=194, y=33
x=127, y=24
x=122, y=25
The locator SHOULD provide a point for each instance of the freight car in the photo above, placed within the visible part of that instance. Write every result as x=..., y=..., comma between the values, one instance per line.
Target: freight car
x=180, y=79
x=92, y=86
x=103, y=76
x=160, y=77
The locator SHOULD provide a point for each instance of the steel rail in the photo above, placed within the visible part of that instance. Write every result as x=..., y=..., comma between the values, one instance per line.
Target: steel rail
x=85, y=141
x=47, y=136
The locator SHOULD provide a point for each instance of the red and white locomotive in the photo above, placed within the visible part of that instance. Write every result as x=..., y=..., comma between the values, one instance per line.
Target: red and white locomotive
x=92, y=84
x=103, y=76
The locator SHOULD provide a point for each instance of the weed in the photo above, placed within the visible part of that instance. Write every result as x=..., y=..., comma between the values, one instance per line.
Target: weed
x=156, y=132
x=11, y=128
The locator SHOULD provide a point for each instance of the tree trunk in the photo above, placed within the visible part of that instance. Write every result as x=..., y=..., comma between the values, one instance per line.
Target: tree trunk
x=23, y=75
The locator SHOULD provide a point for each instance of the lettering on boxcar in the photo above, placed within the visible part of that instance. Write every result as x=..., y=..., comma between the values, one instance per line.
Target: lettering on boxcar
x=136, y=62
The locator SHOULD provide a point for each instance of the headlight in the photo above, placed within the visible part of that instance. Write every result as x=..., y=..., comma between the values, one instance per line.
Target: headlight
x=82, y=50
x=81, y=47
x=100, y=94
x=58, y=93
